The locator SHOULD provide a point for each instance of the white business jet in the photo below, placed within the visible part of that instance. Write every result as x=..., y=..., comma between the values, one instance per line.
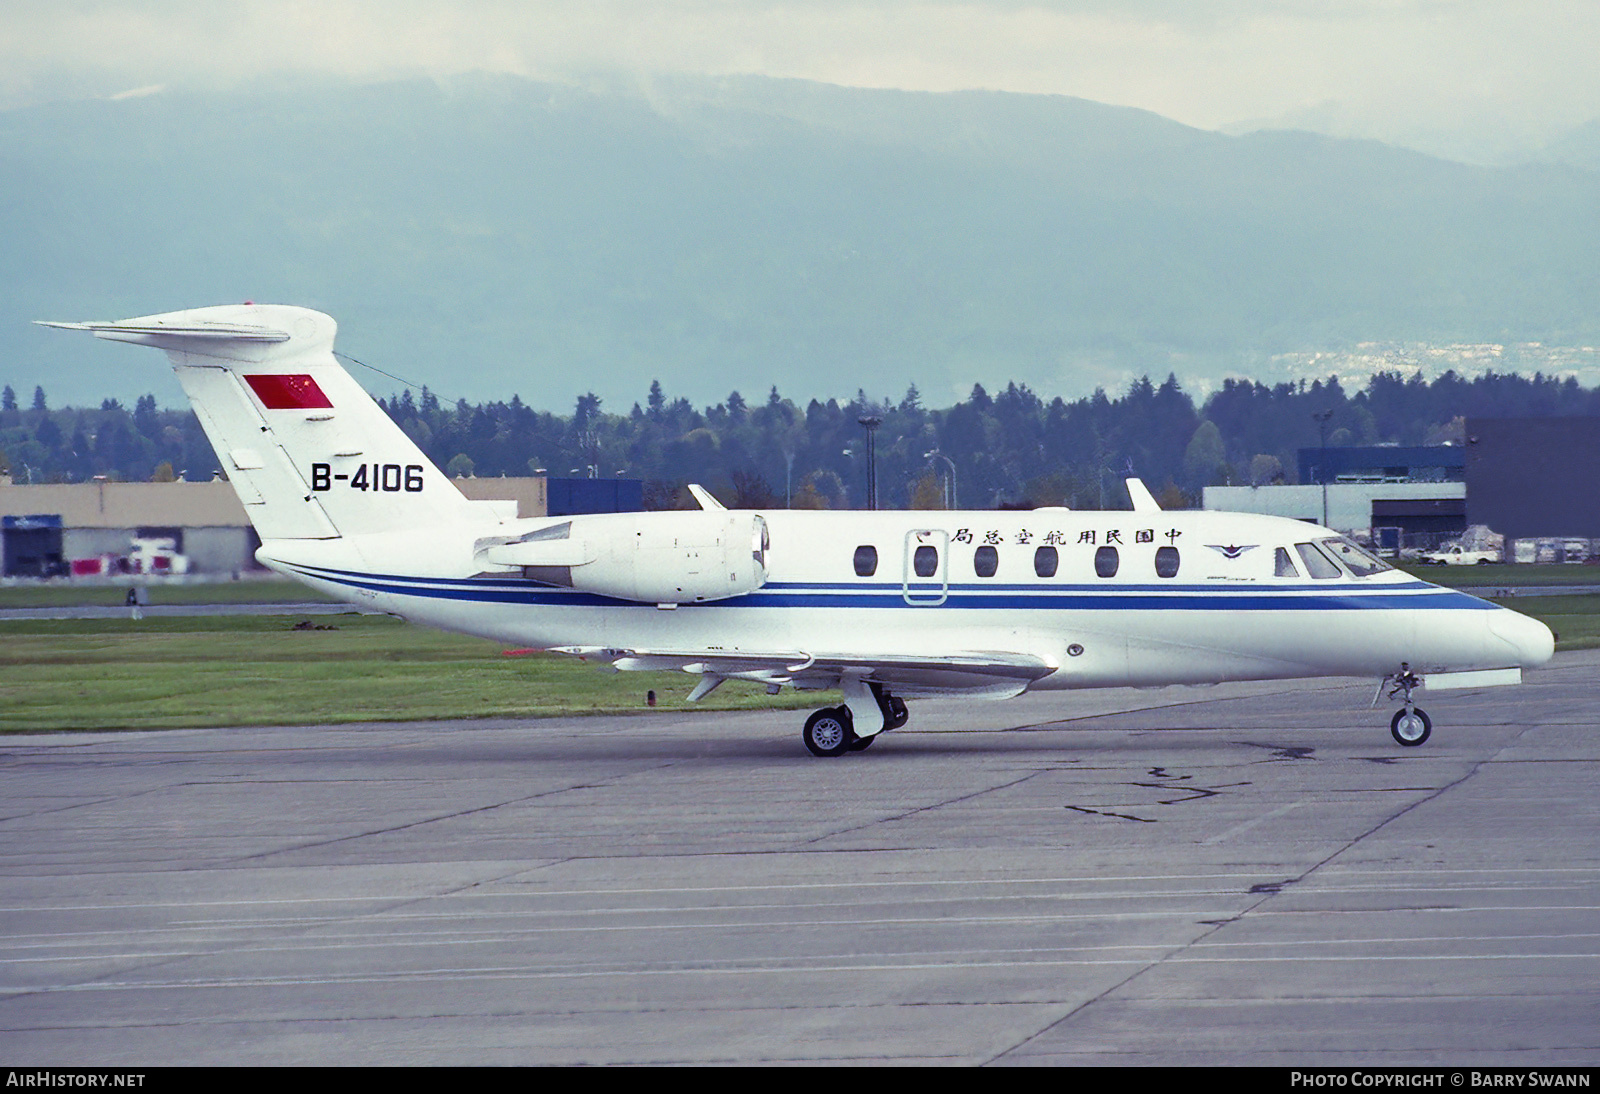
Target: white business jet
x=883, y=606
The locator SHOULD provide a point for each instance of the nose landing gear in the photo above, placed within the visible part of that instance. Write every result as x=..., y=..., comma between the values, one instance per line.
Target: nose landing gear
x=1410, y=725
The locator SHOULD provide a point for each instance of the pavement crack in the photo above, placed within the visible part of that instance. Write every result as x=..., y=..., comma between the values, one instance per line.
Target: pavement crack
x=907, y=814
x=1263, y=892
x=1192, y=793
x=1105, y=813
x=419, y=822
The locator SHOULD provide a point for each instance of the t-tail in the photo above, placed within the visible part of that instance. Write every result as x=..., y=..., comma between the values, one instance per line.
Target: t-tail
x=309, y=452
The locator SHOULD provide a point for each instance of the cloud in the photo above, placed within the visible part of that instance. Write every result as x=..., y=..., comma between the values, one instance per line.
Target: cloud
x=1205, y=62
x=138, y=92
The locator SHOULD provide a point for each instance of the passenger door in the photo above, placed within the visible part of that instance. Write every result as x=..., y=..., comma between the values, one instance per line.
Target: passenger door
x=926, y=567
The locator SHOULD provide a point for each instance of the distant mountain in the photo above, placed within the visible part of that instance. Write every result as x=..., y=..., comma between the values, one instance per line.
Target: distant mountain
x=1476, y=131
x=1578, y=147
x=496, y=235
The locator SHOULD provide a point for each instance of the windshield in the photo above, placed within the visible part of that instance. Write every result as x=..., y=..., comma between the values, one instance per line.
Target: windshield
x=1356, y=559
x=1317, y=563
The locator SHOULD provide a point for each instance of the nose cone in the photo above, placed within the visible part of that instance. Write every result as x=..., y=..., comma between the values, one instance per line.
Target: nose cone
x=1530, y=638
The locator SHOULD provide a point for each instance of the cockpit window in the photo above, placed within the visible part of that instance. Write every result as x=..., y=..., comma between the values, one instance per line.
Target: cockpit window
x=1317, y=564
x=1358, y=561
x=1283, y=565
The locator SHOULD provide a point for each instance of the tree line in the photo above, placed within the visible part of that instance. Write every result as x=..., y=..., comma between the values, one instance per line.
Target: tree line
x=1012, y=448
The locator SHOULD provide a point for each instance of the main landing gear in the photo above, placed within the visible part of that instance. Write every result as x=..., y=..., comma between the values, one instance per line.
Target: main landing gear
x=1410, y=725
x=831, y=730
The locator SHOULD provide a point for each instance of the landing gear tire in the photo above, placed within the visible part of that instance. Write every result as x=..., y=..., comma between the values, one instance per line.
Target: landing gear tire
x=1410, y=727
x=828, y=732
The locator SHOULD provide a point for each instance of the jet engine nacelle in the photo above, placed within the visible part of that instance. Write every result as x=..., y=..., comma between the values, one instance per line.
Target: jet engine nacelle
x=655, y=558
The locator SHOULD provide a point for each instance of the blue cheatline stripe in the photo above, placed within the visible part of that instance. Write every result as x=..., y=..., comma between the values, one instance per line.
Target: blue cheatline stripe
x=1049, y=598
x=1102, y=588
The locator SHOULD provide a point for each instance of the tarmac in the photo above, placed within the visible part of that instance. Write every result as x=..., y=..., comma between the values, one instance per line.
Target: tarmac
x=1240, y=875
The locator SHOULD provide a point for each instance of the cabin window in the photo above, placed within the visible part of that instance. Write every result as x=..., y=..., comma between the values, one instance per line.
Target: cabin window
x=1283, y=565
x=866, y=561
x=1358, y=561
x=985, y=561
x=1166, y=562
x=1105, y=562
x=1318, y=565
x=925, y=562
x=1045, y=561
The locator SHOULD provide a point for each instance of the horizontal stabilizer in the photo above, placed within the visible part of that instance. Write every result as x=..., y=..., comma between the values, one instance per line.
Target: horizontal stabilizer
x=143, y=332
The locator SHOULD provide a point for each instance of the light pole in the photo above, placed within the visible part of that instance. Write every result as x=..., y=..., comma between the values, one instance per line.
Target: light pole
x=950, y=484
x=589, y=443
x=1322, y=461
x=871, y=422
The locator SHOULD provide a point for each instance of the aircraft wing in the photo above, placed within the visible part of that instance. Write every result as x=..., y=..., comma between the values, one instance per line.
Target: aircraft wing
x=985, y=673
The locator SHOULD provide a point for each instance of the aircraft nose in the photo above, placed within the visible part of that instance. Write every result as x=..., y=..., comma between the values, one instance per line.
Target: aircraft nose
x=1530, y=638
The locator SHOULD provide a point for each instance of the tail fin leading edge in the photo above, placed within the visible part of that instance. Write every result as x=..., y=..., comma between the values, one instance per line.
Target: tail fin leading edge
x=308, y=451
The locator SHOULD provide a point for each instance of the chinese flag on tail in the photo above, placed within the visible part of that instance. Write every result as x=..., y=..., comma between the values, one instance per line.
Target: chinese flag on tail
x=287, y=391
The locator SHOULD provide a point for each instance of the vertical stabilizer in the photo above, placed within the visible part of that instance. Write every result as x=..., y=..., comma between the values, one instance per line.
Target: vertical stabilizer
x=309, y=452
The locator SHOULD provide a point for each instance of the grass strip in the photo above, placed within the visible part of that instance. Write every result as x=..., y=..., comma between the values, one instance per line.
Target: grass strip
x=95, y=674
x=1506, y=575
x=81, y=595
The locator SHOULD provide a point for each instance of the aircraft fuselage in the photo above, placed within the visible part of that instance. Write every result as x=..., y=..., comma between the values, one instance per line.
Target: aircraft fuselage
x=1106, y=598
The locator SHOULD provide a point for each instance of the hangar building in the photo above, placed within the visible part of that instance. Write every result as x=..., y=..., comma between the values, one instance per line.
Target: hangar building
x=47, y=528
x=1401, y=496
x=1529, y=478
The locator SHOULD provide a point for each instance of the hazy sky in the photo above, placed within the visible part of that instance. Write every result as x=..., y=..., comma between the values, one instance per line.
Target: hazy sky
x=1513, y=71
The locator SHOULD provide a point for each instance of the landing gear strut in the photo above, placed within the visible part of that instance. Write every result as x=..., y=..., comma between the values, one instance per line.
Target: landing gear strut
x=1410, y=725
x=831, y=730
x=893, y=707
